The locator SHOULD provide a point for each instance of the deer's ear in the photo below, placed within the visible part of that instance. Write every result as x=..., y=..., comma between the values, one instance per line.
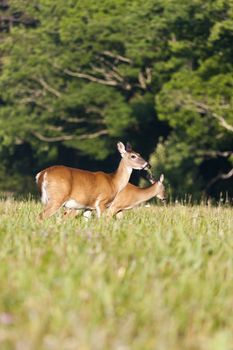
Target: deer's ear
x=121, y=148
x=128, y=147
x=161, y=178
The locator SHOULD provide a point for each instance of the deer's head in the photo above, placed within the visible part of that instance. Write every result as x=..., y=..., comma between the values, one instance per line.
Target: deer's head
x=159, y=186
x=131, y=158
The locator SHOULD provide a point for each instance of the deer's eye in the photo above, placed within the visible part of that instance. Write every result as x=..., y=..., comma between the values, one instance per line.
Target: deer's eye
x=133, y=156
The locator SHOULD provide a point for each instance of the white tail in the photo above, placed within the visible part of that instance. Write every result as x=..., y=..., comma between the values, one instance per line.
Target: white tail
x=132, y=195
x=80, y=189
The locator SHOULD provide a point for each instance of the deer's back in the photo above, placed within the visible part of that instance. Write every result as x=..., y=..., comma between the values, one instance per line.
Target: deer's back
x=82, y=185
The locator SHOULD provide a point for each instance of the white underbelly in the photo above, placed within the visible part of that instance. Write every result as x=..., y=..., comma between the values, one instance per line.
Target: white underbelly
x=73, y=204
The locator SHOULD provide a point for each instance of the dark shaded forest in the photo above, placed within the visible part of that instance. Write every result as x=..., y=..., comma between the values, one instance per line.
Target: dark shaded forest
x=77, y=76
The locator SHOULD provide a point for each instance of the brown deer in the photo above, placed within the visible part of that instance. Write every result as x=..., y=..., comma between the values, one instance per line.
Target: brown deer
x=81, y=189
x=132, y=195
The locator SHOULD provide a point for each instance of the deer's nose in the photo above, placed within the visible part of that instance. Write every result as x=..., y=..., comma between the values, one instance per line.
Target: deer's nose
x=147, y=166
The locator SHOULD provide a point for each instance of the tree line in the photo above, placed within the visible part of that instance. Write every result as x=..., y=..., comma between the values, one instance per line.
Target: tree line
x=77, y=76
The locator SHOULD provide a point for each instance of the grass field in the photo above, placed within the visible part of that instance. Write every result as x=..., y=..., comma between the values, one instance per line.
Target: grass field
x=160, y=278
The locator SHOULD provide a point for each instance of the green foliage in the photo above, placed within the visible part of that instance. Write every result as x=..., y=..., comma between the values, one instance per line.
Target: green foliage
x=42, y=66
x=80, y=75
x=197, y=101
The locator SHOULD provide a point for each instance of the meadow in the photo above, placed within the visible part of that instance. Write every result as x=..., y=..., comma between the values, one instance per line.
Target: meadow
x=160, y=278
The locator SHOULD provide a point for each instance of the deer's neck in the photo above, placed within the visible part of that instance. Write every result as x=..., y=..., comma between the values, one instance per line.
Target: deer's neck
x=148, y=192
x=121, y=176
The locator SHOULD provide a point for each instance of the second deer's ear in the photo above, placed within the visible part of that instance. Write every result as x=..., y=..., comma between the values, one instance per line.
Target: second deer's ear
x=121, y=148
x=128, y=147
x=161, y=178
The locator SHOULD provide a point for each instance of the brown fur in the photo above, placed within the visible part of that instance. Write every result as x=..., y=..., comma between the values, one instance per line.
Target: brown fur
x=132, y=195
x=94, y=190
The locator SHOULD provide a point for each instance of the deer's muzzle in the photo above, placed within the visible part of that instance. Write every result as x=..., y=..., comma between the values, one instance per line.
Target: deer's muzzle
x=146, y=167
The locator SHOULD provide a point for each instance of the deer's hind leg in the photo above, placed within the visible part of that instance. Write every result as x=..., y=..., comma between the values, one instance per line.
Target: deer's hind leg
x=51, y=198
x=50, y=209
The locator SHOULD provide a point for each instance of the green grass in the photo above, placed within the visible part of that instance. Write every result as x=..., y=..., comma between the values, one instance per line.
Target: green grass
x=160, y=278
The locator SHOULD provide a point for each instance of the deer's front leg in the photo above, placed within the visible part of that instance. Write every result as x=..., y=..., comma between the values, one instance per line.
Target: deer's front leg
x=112, y=211
x=119, y=215
x=100, y=208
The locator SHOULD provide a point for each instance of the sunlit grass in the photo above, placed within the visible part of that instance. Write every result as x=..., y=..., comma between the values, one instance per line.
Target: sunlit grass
x=160, y=278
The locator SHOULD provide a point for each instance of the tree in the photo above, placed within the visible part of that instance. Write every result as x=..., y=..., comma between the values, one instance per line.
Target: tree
x=79, y=78
x=197, y=100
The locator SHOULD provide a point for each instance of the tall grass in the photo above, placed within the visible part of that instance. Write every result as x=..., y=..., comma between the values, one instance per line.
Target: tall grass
x=160, y=278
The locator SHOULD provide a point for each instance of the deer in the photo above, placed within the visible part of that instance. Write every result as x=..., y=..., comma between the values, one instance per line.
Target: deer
x=132, y=195
x=74, y=188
